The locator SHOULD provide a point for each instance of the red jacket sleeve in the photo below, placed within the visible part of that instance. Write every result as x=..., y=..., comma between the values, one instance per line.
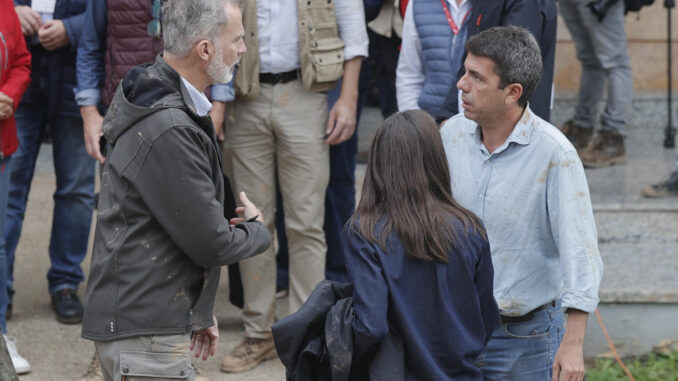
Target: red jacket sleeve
x=19, y=73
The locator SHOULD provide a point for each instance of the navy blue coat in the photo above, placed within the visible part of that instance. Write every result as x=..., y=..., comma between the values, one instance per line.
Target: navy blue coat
x=444, y=313
x=537, y=16
x=53, y=73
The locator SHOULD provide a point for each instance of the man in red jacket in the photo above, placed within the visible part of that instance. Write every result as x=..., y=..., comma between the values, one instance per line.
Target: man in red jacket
x=15, y=75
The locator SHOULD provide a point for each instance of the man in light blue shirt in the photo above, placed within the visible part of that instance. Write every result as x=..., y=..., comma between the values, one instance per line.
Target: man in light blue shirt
x=524, y=179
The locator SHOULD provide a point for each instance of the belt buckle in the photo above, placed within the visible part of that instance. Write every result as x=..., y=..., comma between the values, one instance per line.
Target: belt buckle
x=277, y=78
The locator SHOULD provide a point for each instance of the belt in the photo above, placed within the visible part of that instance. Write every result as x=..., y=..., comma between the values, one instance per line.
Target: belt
x=275, y=78
x=525, y=318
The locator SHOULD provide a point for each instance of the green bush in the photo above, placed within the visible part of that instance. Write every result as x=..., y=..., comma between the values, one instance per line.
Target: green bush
x=651, y=367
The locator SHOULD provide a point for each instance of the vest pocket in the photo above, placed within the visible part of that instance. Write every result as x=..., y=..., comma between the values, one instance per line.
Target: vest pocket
x=328, y=59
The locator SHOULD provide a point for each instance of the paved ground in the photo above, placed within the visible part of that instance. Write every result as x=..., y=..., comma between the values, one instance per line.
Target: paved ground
x=630, y=228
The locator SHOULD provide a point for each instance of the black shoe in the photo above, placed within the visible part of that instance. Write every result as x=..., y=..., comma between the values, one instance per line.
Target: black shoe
x=67, y=306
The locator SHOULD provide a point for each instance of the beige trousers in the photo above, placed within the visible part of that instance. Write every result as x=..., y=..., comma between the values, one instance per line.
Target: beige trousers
x=283, y=129
x=147, y=358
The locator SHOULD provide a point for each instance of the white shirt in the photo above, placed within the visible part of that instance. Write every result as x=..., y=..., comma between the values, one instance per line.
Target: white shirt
x=202, y=104
x=410, y=71
x=278, y=33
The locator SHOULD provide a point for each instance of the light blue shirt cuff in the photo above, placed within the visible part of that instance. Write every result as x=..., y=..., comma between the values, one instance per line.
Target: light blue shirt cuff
x=223, y=93
x=88, y=97
x=580, y=301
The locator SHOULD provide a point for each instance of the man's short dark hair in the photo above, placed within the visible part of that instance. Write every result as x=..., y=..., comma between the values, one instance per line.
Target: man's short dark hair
x=516, y=56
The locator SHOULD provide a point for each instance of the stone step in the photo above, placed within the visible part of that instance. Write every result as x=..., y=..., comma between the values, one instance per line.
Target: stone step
x=638, y=243
x=657, y=224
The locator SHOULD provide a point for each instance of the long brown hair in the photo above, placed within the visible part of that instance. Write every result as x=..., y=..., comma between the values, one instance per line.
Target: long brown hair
x=408, y=183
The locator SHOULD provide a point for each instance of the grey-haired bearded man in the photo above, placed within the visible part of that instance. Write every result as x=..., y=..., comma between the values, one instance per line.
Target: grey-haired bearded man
x=161, y=233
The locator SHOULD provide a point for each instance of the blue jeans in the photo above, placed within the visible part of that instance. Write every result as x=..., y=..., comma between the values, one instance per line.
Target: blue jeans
x=73, y=199
x=4, y=191
x=524, y=351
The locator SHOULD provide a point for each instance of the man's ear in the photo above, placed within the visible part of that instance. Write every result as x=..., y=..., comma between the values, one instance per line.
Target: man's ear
x=205, y=50
x=513, y=92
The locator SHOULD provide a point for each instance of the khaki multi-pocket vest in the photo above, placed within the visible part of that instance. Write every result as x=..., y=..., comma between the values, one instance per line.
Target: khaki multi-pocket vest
x=320, y=48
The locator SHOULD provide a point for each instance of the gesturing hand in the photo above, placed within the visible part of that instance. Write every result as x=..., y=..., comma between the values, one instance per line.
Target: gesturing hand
x=248, y=210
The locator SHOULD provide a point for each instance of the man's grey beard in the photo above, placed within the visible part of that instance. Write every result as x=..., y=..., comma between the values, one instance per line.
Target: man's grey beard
x=218, y=71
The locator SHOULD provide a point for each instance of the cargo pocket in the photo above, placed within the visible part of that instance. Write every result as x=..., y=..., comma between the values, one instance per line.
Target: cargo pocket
x=140, y=366
x=328, y=59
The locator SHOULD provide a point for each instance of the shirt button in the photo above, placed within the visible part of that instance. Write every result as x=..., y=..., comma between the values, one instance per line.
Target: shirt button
x=480, y=195
x=125, y=370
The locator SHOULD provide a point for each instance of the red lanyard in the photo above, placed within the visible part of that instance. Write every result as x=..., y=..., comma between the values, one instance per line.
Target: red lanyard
x=453, y=26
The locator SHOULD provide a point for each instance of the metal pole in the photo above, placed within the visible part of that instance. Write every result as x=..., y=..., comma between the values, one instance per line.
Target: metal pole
x=670, y=133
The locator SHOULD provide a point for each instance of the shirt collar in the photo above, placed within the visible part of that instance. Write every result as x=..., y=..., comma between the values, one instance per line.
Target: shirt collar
x=520, y=135
x=523, y=129
x=200, y=101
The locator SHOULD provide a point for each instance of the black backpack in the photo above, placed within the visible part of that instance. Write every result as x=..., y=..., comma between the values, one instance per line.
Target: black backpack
x=635, y=5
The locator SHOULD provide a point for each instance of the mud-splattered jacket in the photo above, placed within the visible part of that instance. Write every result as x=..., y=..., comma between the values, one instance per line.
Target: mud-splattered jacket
x=161, y=233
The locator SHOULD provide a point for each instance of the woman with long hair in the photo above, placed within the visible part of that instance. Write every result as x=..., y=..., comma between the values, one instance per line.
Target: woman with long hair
x=420, y=263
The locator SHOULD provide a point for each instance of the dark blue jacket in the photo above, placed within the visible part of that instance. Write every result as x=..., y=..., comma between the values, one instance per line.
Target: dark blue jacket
x=53, y=73
x=537, y=16
x=443, y=312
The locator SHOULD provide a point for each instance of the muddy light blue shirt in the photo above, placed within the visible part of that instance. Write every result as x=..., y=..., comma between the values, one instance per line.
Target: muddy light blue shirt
x=533, y=197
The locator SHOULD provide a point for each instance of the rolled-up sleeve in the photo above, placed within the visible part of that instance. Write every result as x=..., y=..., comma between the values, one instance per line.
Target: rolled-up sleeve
x=89, y=63
x=352, y=28
x=575, y=234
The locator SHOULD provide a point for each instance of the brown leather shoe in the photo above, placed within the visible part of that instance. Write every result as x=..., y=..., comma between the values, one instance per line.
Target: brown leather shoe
x=248, y=354
x=580, y=137
x=606, y=149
